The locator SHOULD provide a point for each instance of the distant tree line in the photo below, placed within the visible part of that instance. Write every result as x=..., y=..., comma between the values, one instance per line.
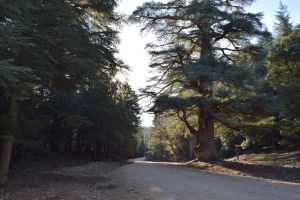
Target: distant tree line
x=57, y=87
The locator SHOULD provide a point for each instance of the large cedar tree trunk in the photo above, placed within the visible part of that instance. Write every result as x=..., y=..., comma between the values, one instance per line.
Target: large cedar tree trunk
x=207, y=149
x=7, y=144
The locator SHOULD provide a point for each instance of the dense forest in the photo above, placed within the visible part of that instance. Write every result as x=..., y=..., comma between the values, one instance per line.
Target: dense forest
x=58, y=91
x=222, y=81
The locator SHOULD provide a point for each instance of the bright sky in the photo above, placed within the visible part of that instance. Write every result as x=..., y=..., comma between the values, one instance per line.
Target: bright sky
x=132, y=45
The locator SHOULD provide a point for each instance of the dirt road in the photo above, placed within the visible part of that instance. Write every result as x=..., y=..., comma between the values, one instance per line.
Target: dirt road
x=161, y=181
x=63, y=177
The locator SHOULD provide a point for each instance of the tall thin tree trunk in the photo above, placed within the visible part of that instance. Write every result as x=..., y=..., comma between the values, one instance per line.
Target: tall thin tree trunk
x=192, y=145
x=7, y=144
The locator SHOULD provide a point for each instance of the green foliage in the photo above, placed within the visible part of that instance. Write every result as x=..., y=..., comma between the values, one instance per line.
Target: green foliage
x=209, y=67
x=15, y=80
x=198, y=64
x=284, y=76
x=142, y=143
x=283, y=25
x=284, y=61
x=58, y=60
x=168, y=140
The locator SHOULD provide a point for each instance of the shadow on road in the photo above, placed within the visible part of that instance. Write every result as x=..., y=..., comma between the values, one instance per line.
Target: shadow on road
x=264, y=171
x=235, y=168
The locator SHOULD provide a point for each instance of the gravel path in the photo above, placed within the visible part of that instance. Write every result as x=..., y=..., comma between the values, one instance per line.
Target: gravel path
x=162, y=181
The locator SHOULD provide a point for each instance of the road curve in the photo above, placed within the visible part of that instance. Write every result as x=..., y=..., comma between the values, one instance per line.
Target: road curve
x=166, y=181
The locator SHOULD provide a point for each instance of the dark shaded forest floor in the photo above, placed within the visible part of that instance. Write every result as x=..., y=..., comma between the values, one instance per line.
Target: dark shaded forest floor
x=60, y=177
x=280, y=166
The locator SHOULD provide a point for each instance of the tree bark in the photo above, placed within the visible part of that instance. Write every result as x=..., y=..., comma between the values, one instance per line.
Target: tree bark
x=7, y=144
x=207, y=145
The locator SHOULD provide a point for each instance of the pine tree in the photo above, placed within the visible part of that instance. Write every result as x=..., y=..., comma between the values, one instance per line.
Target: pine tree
x=284, y=74
x=15, y=79
x=283, y=26
x=52, y=52
x=198, y=74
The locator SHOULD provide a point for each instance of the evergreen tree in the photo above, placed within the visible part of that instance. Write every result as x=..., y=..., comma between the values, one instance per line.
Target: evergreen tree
x=53, y=56
x=283, y=26
x=195, y=58
x=284, y=75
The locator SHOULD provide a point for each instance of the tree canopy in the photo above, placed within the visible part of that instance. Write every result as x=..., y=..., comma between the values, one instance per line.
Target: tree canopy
x=220, y=79
x=57, y=79
x=199, y=70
